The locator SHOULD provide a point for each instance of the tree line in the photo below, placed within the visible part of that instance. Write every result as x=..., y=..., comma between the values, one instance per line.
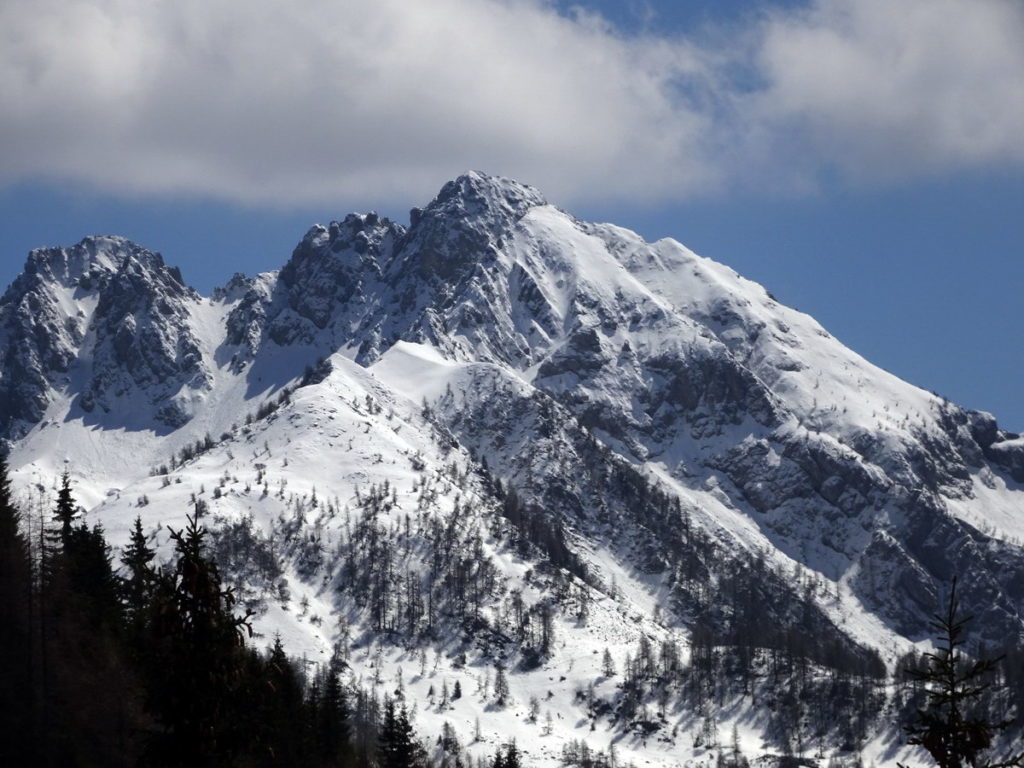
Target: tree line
x=149, y=665
x=153, y=665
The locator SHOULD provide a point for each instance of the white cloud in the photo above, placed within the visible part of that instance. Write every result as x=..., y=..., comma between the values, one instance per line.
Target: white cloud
x=319, y=100
x=884, y=89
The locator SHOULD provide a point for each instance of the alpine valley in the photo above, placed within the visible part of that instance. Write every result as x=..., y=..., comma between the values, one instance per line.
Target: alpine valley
x=502, y=447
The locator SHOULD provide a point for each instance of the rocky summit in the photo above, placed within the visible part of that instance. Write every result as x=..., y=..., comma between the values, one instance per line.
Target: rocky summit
x=520, y=440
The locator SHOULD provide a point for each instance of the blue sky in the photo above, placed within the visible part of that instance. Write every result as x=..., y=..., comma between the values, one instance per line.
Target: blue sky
x=861, y=160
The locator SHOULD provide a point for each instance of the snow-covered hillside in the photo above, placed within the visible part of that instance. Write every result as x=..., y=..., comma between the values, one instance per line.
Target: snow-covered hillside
x=567, y=439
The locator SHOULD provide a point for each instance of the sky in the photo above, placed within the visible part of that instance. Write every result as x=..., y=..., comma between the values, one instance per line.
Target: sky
x=862, y=159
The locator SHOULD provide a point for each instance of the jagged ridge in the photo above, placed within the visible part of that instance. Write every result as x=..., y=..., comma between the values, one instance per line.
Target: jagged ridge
x=604, y=378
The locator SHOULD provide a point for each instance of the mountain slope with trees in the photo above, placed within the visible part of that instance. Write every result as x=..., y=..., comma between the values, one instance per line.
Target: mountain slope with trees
x=499, y=442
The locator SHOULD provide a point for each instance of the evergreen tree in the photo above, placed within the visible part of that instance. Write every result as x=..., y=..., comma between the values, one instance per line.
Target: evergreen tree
x=333, y=721
x=195, y=656
x=137, y=587
x=282, y=718
x=448, y=740
x=607, y=665
x=78, y=573
x=66, y=510
x=501, y=692
x=954, y=685
x=15, y=631
x=397, y=747
x=512, y=755
x=508, y=757
x=89, y=693
x=89, y=571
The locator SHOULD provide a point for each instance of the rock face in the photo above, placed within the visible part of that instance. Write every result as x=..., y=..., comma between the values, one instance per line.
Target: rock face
x=594, y=363
x=143, y=341
x=105, y=321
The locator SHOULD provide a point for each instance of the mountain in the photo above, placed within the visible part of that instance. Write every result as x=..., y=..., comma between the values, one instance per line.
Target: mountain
x=517, y=439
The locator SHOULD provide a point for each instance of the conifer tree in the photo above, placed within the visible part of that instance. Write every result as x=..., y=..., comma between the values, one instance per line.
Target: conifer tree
x=89, y=694
x=15, y=631
x=501, y=692
x=397, y=746
x=333, y=722
x=137, y=585
x=90, y=575
x=508, y=757
x=512, y=755
x=607, y=665
x=78, y=572
x=954, y=684
x=67, y=509
x=195, y=657
x=282, y=716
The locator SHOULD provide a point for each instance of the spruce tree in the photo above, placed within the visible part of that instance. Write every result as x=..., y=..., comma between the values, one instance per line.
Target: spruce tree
x=66, y=510
x=501, y=692
x=333, y=721
x=54, y=538
x=90, y=696
x=397, y=747
x=950, y=728
x=512, y=755
x=16, y=703
x=90, y=576
x=195, y=656
x=607, y=665
x=137, y=585
x=509, y=757
x=281, y=717
x=78, y=572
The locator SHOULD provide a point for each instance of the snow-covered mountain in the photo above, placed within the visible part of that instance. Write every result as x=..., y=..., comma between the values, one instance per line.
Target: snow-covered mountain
x=614, y=442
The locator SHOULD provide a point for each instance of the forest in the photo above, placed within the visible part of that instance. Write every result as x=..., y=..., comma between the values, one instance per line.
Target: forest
x=146, y=663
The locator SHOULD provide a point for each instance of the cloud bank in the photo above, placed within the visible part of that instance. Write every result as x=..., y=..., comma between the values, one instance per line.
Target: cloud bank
x=285, y=103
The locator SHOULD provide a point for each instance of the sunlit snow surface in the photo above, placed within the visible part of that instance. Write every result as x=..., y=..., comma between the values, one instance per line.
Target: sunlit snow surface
x=366, y=425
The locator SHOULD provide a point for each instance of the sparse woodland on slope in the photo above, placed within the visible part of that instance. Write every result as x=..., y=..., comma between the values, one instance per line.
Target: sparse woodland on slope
x=623, y=502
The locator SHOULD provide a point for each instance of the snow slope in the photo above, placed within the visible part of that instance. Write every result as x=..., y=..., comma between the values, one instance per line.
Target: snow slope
x=382, y=381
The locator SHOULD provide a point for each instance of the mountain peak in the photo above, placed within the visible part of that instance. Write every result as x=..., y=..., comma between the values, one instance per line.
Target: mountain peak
x=132, y=334
x=93, y=257
x=474, y=193
x=629, y=440
x=68, y=265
